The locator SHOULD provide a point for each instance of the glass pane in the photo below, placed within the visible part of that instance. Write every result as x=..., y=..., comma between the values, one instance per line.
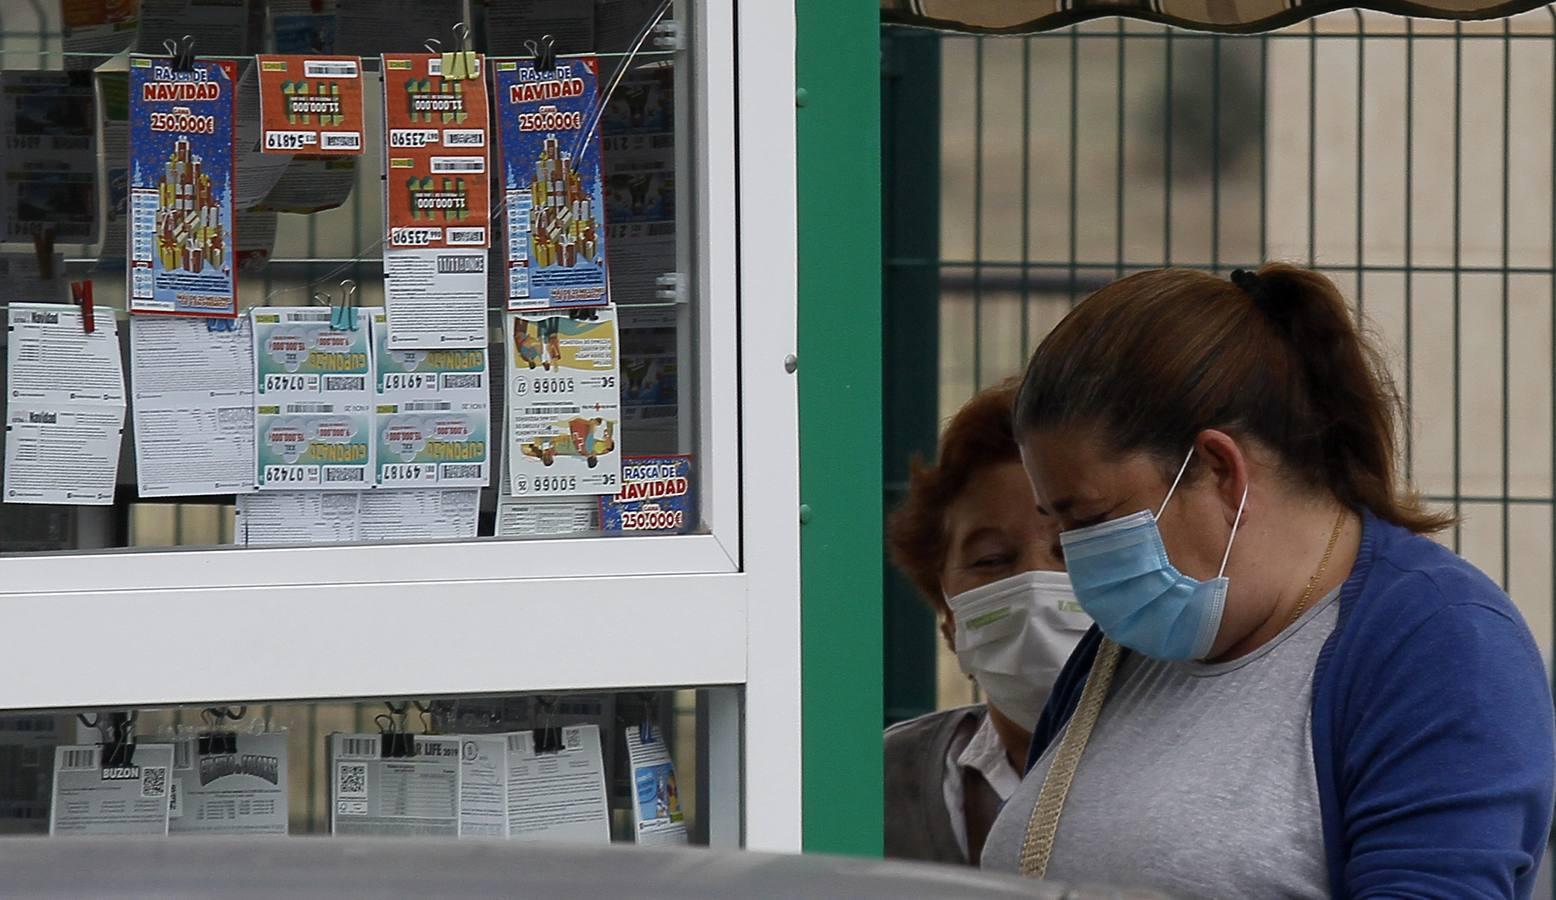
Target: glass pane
x=623, y=767
x=321, y=223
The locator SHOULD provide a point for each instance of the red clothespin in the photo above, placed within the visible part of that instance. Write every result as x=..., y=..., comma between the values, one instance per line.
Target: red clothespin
x=81, y=295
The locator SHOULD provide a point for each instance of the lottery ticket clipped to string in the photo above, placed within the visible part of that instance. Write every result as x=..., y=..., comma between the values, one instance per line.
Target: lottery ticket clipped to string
x=181, y=187
x=552, y=179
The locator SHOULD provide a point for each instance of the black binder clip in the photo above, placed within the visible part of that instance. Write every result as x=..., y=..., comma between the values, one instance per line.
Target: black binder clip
x=182, y=52
x=548, y=737
x=118, y=740
x=544, y=51
x=587, y=314
x=217, y=741
x=394, y=741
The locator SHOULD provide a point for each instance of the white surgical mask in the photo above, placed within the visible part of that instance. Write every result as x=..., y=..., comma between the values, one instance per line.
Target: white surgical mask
x=1014, y=636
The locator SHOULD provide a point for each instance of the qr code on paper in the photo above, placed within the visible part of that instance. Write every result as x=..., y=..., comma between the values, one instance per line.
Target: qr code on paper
x=351, y=780
x=153, y=781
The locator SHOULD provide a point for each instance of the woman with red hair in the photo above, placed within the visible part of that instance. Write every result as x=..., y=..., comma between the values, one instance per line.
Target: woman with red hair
x=971, y=538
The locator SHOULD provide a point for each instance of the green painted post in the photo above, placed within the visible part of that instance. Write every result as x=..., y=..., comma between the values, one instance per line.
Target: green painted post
x=838, y=168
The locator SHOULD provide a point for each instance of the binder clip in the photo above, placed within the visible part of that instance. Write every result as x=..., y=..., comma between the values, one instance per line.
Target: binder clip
x=646, y=721
x=182, y=52
x=81, y=295
x=344, y=316
x=544, y=52
x=589, y=314
x=548, y=737
x=217, y=741
x=429, y=717
x=394, y=741
x=118, y=740
x=460, y=63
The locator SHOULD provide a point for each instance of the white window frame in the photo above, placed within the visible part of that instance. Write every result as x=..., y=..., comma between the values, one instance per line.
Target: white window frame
x=125, y=629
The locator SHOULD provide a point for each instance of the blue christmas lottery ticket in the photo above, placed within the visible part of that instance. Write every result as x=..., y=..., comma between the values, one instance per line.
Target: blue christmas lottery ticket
x=552, y=183
x=656, y=497
x=181, y=243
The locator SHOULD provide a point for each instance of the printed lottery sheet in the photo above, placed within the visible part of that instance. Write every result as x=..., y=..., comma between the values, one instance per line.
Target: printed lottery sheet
x=181, y=202
x=432, y=415
x=65, y=413
x=313, y=413
x=437, y=203
x=244, y=791
x=406, y=796
x=554, y=201
x=192, y=385
x=91, y=799
x=564, y=403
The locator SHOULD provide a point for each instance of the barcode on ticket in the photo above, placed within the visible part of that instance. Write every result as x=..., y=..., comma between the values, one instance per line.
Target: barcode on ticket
x=426, y=406
x=345, y=383
x=462, y=471
x=453, y=381
x=340, y=475
x=358, y=748
x=79, y=758
x=310, y=407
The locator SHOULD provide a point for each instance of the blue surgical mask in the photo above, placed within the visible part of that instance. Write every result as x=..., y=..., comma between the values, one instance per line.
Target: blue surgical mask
x=1124, y=580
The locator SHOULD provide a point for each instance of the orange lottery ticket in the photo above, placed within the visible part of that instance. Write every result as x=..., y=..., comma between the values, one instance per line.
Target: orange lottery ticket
x=311, y=104
x=435, y=154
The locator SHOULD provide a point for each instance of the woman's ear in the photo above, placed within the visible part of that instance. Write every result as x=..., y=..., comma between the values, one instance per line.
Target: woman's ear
x=1227, y=464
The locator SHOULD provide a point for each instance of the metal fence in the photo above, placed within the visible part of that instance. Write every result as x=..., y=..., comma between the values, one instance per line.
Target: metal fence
x=1411, y=161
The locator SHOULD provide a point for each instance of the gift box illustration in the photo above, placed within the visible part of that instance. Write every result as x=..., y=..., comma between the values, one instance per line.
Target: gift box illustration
x=190, y=234
x=564, y=223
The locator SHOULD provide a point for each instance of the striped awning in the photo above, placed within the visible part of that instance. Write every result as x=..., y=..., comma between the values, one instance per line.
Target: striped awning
x=1021, y=16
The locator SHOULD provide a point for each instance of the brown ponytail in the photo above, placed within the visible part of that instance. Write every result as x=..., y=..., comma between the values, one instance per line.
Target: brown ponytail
x=1153, y=359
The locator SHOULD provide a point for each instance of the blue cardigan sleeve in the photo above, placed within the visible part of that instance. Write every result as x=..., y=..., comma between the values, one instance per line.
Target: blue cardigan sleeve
x=1447, y=770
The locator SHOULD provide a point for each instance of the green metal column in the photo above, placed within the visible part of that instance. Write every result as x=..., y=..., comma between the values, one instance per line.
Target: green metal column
x=910, y=160
x=838, y=167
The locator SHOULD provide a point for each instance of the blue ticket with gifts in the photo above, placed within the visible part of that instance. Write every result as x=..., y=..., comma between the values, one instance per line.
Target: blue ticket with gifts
x=181, y=243
x=553, y=191
x=657, y=496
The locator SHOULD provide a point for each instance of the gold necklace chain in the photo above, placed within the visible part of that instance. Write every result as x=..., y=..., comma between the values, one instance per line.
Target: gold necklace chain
x=1307, y=594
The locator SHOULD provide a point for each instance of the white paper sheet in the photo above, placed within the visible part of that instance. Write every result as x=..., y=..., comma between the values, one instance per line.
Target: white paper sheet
x=91, y=800
x=296, y=517
x=558, y=796
x=483, y=789
x=435, y=298
x=237, y=793
x=411, y=796
x=342, y=517
x=66, y=410
x=193, y=390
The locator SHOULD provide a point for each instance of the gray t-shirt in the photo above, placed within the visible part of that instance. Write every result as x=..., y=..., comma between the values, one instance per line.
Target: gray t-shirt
x=1198, y=780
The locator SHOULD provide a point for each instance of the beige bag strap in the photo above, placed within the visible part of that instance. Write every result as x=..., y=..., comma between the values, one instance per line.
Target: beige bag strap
x=1044, y=824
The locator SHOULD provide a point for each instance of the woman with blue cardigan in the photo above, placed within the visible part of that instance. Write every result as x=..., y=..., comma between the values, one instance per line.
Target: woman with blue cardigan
x=1291, y=691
